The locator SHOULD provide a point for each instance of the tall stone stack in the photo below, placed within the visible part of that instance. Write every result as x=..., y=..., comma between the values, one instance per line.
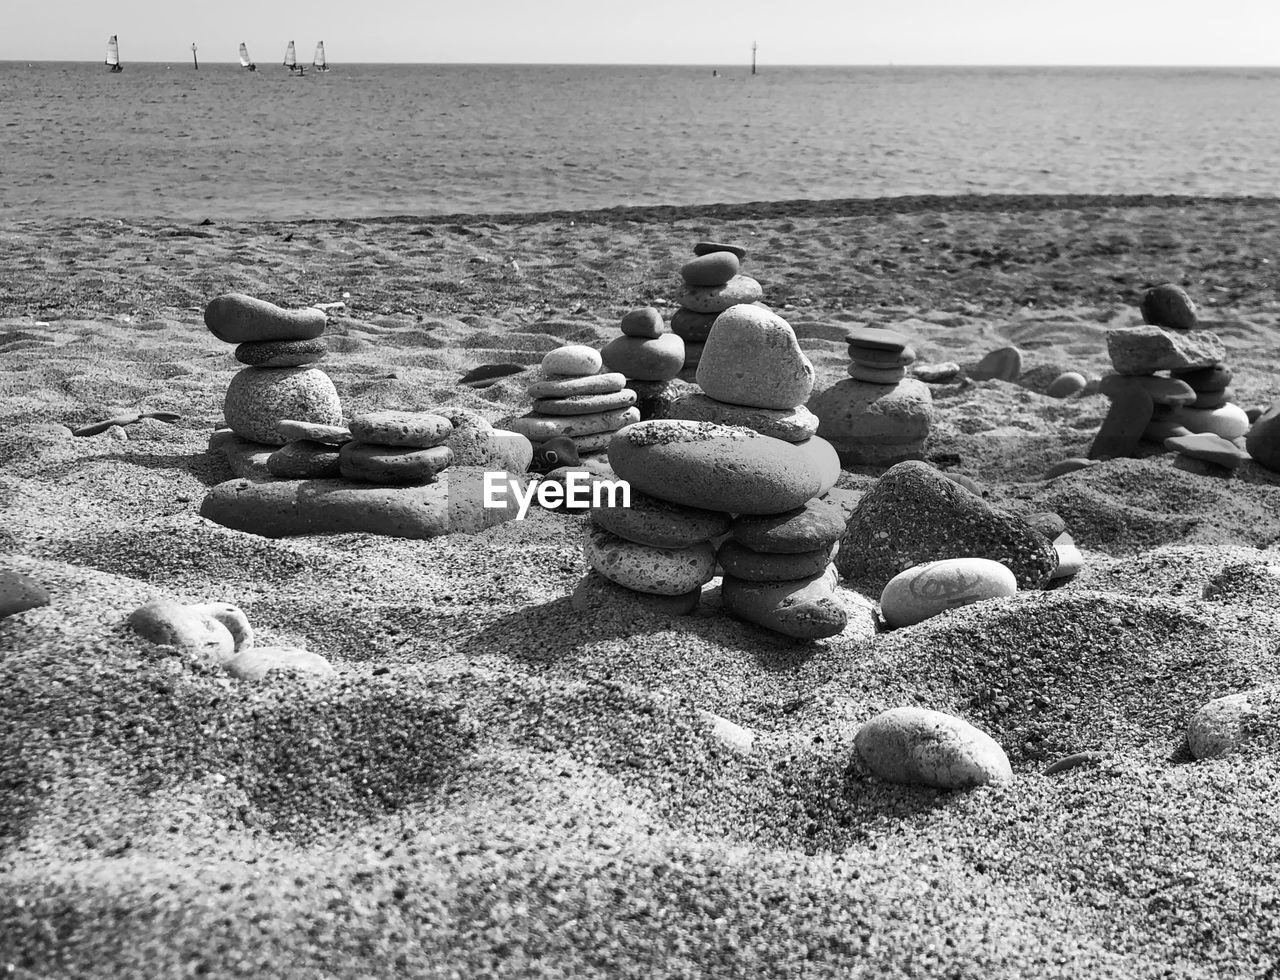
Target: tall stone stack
x=574, y=400
x=878, y=416
x=650, y=357
x=277, y=346
x=721, y=469
x=712, y=282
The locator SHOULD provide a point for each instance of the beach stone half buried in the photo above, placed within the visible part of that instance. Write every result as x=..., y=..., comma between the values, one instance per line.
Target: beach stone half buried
x=752, y=358
x=286, y=508
x=194, y=631
x=259, y=399
x=1225, y=724
x=920, y=747
x=256, y=664
x=18, y=593
x=914, y=514
x=928, y=590
x=714, y=467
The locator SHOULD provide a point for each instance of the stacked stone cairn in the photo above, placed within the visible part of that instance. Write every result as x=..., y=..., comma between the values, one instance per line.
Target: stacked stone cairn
x=740, y=459
x=1170, y=387
x=650, y=357
x=879, y=416
x=575, y=400
x=712, y=282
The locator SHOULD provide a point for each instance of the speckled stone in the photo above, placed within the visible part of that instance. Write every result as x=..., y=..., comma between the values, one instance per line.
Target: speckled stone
x=259, y=399
x=692, y=327
x=1225, y=724
x=1148, y=349
x=804, y=609
x=19, y=592
x=818, y=524
x=595, y=594
x=540, y=428
x=304, y=460
x=508, y=451
x=757, y=566
x=1168, y=305
x=572, y=360
x=645, y=322
x=927, y=590
x=716, y=299
x=595, y=384
x=752, y=358
x=645, y=359
x=235, y=318
x=472, y=438
x=416, y=430
x=711, y=269
x=378, y=463
x=915, y=515
x=874, y=424
x=643, y=568
x=282, y=353
x=789, y=425
x=659, y=523
x=920, y=747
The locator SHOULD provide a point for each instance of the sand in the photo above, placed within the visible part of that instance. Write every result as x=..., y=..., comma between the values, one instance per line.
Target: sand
x=495, y=786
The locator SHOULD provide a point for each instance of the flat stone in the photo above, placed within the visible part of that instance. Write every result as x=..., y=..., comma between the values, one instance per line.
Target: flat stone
x=869, y=423
x=237, y=319
x=259, y=663
x=1004, y=364
x=487, y=375
x=819, y=523
x=259, y=399
x=685, y=462
x=875, y=375
x=1214, y=378
x=1148, y=349
x=1211, y=399
x=572, y=360
x=378, y=463
x=1068, y=465
x=789, y=425
x=1168, y=305
x=804, y=609
x=659, y=523
x=877, y=338
x=928, y=590
x=752, y=358
x=540, y=428
x=286, y=508
x=1067, y=384
x=756, y=566
x=281, y=353
x=1263, y=439
x=1228, y=421
x=594, y=384
x=1126, y=420
x=706, y=248
x=692, y=327
x=1225, y=725
x=1208, y=447
x=645, y=322
x=193, y=632
x=914, y=514
x=644, y=568
x=711, y=269
x=716, y=299
x=291, y=430
x=645, y=359
x=919, y=747
x=417, y=430
x=1158, y=430
x=19, y=592
x=595, y=594
x=879, y=357
x=586, y=404
x=935, y=374
x=304, y=460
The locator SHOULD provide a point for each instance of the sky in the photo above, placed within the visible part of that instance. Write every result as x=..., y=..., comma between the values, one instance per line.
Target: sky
x=695, y=32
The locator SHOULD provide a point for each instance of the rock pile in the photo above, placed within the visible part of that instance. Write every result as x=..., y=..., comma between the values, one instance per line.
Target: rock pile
x=879, y=416
x=650, y=357
x=712, y=282
x=576, y=401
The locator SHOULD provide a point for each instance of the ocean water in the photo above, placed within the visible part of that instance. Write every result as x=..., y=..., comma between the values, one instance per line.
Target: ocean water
x=366, y=140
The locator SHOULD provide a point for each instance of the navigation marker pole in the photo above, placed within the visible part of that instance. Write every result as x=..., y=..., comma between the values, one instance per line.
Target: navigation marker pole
x=753, y=57
x=194, y=59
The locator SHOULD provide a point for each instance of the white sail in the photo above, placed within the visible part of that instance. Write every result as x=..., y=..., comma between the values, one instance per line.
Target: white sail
x=290, y=58
x=113, y=52
x=244, y=56
x=318, y=60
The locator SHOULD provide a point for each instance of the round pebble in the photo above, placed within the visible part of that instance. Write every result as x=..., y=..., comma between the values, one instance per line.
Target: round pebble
x=752, y=358
x=1067, y=384
x=1168, y=305
x=710, y=269
x=924, y=591
x=645, y=359
x=659, y=523
x=259, y=399
x=192, y=631
x=646, y=322
x=917, y=746
x=574, y=360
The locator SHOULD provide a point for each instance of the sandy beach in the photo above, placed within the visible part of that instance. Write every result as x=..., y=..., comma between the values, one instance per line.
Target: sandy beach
x=496, y=785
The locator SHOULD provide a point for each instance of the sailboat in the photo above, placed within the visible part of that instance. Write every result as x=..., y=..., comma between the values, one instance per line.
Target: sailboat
x=244, y=58
x=318, y=61
x=113, y=55
x=291, y=60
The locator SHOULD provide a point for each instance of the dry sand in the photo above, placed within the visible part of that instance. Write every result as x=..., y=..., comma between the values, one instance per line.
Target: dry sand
x=494, y=786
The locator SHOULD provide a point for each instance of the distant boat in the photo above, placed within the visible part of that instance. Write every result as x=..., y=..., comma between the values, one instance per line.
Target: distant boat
x=244, y=58
x=291, y=60
x=113, y=55
x=318, y=61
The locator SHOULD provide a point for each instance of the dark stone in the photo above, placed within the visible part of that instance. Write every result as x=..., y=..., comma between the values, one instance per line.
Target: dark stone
x=1168, y=305
x=18, y=593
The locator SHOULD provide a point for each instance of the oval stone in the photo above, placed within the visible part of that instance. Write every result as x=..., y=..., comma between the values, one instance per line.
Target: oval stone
x=509, y=451
x=190, y=630
x=716, y=299
x=790, y=425
x=920, y=747
x=281, y=353
x=237, y=319
x=714, y=467
x=752, y=358
x=542, y=428
x=419, y=430
x=256, y=664
x=642, y=568
x=805, y=609
x=820, y=523
x=1067, y=384
x=259, y=399
x=924, y=591
x=1168, y=305
x=573, y=360
x=660, y=523
x=876, y=375
x=472, y=437
x=374, y=463
x=593, y=384
x=645, y=359
x=1228, y=421
x=1004, y=364
x=19, y=592
x=711, y=269
x=754, y=566
x=586, y=404
x=643, y=322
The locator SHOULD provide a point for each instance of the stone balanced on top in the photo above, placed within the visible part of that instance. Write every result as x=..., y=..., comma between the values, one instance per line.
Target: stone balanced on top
x=650, y=357
x=711, y=283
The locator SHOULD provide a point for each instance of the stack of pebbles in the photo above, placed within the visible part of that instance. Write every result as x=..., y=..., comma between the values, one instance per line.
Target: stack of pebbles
x=693, y=479
x=575, y=401
x=277, y=345
x=1170, y=387
x=649, y=357
x=396, y=448
x=879, y=416
x=712, y=284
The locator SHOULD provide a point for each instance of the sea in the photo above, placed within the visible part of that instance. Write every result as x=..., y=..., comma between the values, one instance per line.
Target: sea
x=362, y=140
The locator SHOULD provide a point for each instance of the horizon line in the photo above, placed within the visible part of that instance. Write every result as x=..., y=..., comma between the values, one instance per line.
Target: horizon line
x=687, y=64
